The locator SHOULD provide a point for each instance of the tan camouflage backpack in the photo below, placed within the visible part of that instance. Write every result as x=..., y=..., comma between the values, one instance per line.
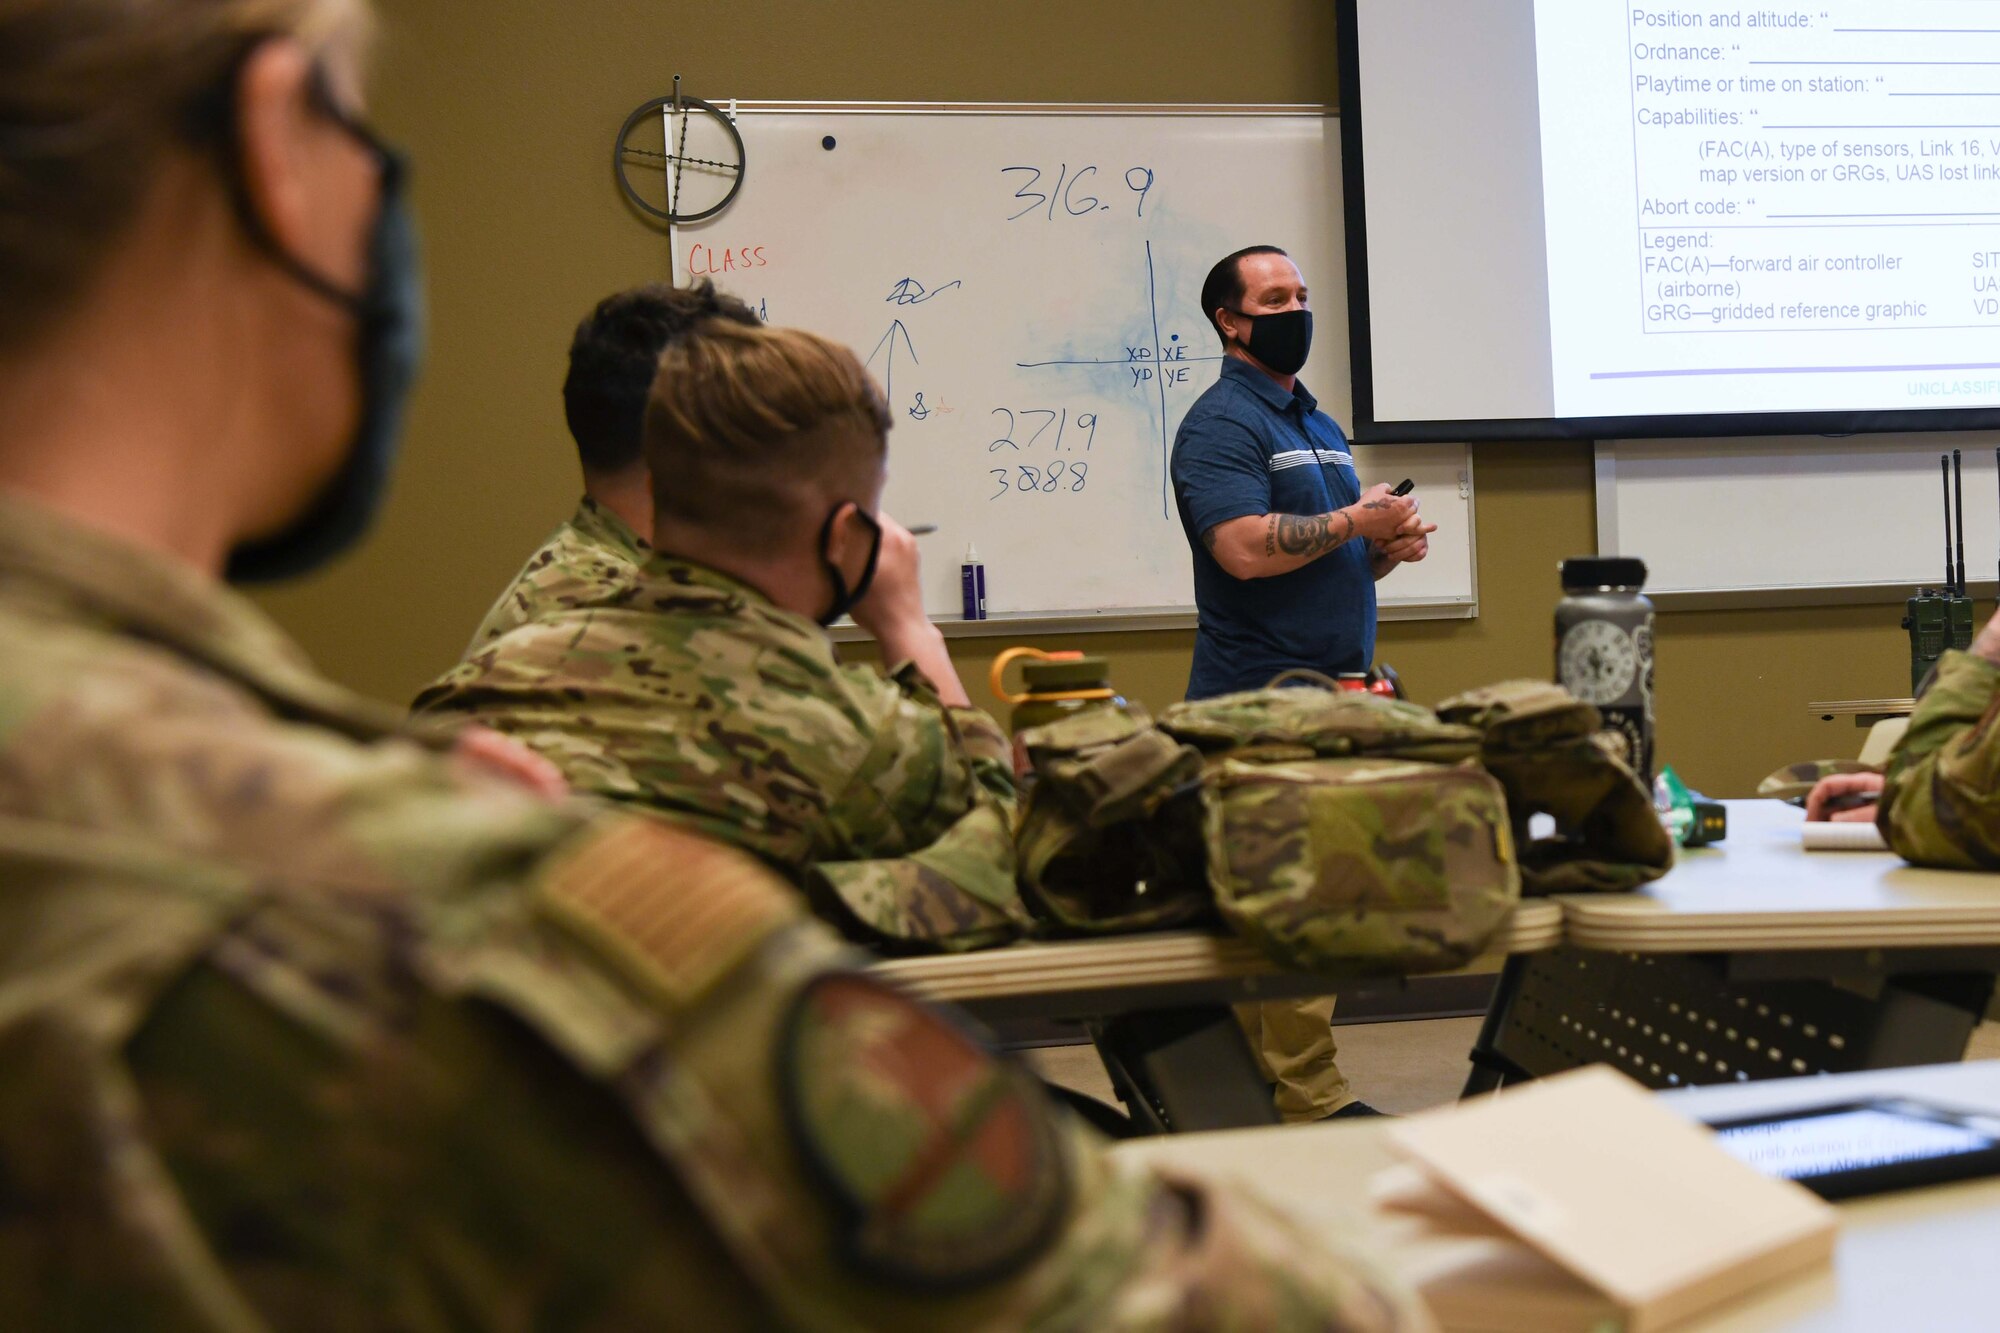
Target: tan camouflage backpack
x=1544, y=746
x=1341, y=832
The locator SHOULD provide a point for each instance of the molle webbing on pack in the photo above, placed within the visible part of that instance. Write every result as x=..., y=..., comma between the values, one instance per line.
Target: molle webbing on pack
x=1542, y=743
x=1360, y=865
x=1342, y=832
x=1111, y=838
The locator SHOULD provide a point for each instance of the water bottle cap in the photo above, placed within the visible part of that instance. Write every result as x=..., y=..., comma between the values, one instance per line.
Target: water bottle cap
x=1581, y=573
x=1066, y=671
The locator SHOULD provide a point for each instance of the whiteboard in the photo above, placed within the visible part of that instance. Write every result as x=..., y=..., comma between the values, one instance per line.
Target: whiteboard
x=1025, y=284
x=1795, y=518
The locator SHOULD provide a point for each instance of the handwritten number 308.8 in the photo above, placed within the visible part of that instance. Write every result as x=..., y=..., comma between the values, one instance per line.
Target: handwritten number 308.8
x=1139, y=180
x=1048, y=481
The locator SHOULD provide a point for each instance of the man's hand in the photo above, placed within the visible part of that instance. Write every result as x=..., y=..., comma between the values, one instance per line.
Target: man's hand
x=894, y=605
x=893, y=611
x=1408, y=546
x=1830, y=791
x=1987, y=645
x=1380, y=515
x=486, y=753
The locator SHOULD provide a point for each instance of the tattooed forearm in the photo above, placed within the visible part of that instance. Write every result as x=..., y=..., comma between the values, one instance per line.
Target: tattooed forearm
x=1309, y=535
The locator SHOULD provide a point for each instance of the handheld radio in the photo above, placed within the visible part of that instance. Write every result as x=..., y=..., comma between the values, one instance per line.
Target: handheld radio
x=1938, y=619
x=1961, y=603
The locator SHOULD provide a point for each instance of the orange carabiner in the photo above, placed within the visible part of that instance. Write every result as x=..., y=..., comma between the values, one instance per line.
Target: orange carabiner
x=1000, y=664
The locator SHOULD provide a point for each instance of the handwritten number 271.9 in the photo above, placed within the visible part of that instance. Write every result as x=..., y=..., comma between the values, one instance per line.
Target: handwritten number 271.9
x=1064, y=192
x=1085, y=422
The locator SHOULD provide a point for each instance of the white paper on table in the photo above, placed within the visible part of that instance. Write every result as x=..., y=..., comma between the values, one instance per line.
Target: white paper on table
x=1826, y=836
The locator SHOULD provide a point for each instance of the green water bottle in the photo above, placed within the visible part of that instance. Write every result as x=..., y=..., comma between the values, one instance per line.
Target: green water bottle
x=1053, y=685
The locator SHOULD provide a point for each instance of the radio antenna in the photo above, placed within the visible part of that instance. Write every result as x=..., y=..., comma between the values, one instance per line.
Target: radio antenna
x=1958, y=485
x=1944, y=471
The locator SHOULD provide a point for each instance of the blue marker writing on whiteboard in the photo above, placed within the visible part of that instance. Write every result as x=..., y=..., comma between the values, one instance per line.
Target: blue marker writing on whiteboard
x=972, y=584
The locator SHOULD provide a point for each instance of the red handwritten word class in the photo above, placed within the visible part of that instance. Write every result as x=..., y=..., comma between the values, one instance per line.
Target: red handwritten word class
x=704, y=259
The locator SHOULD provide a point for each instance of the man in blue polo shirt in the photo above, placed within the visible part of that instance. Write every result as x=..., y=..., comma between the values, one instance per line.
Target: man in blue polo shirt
x=1287, y=549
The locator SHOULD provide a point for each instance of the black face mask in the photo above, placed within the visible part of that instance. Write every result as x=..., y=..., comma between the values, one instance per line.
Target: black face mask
x=389, y=335
x=845, y=597
x=1280, y=341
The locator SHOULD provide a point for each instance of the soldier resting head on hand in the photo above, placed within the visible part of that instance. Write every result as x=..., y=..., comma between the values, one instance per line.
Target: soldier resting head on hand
x=700, y=683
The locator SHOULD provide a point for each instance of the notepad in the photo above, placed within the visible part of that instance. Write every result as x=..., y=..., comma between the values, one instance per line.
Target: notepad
x=1580, y=1202
x=1826, y=836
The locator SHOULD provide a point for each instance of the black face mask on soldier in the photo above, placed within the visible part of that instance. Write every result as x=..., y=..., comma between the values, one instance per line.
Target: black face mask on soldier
x=845, y=597
x=1280, y=341
x=388, y=345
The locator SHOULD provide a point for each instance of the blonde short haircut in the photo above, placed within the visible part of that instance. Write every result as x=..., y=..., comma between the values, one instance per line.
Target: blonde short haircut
x=753, y=433
x=92, y=92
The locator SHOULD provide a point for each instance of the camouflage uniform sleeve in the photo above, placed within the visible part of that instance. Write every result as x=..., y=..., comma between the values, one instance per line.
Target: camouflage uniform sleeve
x=356, y=1149
x=865, y=1160
x=926, y=822
x=612, y=1077
x=982, y=741
x=991, y=753
x=1245, y=1265
x=1941, y=799
x=979, y=741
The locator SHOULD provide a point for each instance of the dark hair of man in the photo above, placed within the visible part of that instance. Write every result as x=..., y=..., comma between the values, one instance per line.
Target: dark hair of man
x=1223, y=288
x=753, y=433
x=614, y=356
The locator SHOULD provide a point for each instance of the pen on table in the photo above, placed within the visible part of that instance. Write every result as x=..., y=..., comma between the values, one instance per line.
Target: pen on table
x=922, y=529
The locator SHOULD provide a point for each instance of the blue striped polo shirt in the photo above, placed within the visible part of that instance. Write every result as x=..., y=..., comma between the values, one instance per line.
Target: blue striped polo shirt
x=1247, y=447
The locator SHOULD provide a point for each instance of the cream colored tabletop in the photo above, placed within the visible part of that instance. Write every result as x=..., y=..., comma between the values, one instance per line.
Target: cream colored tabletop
x=1161, y=958
x=1926, y=1261
x=1863, y=710
x=1760, y=889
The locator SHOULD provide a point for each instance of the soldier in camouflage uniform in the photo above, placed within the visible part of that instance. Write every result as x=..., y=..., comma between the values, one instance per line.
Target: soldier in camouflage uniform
x=1940, y=800
x=307, y=1029
x=697, y=685
x=612, y=358
x=1935, y=803
x=305, y=1024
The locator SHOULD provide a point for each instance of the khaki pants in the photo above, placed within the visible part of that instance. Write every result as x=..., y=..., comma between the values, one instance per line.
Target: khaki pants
x=1293, y=1043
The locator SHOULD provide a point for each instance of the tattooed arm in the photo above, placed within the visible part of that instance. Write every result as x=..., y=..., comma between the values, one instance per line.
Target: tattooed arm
x=1258, y=546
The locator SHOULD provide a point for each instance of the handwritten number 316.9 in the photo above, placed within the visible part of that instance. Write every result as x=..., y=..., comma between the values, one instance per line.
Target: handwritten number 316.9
x=1139, y=180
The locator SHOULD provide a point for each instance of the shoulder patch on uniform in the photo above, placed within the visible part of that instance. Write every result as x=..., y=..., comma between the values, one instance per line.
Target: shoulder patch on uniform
x=941, y=1159
x=678, y=910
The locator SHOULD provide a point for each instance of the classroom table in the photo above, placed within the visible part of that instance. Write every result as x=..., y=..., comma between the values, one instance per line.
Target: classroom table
x=1754, y=959
x=1865, y=712
x=1916, y=1260
x=1156, y=1007
x=1104, y=977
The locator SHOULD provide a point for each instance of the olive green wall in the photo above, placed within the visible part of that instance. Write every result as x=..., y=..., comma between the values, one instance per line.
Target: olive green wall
x=509, y=107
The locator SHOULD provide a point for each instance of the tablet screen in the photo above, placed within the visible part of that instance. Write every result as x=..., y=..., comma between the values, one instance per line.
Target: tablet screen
x=1818, y=1145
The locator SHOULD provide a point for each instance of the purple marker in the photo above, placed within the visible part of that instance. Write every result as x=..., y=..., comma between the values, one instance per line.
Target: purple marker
x=972, y=585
